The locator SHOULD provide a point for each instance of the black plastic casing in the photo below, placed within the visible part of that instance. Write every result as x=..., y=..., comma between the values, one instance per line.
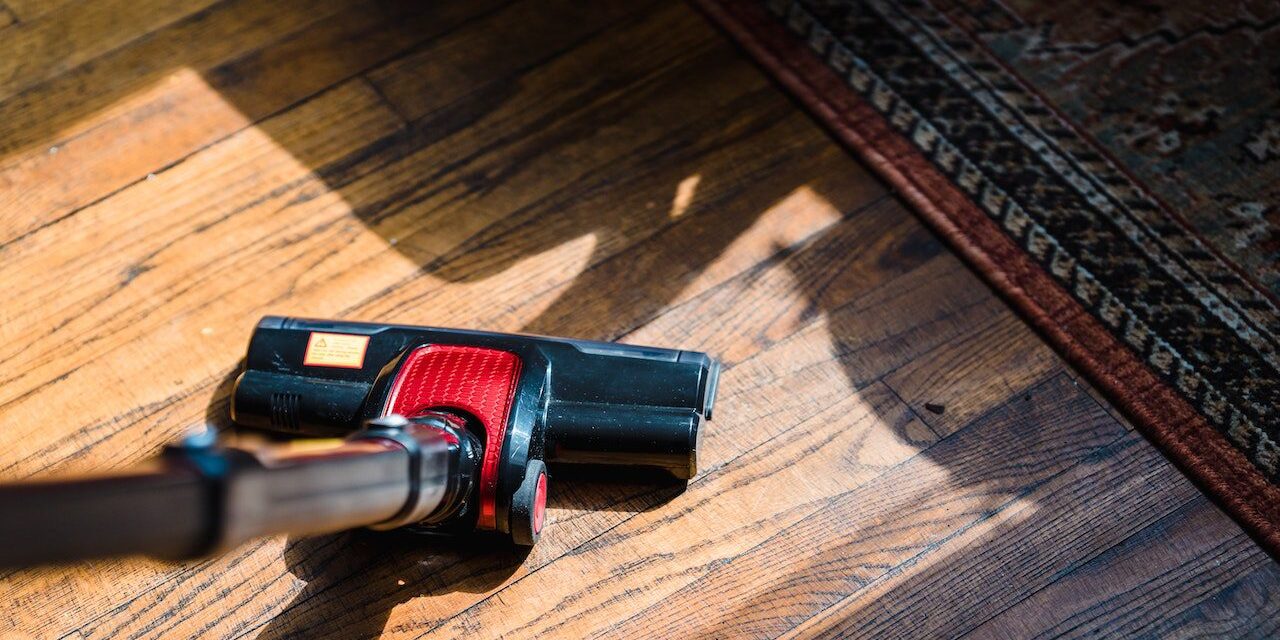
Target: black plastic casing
x=575, y=401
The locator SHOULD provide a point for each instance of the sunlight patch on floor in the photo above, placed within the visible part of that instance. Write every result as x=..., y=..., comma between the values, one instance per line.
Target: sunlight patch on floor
x=684, y=195
x=796, y=216
x=109, y=148
x=484, y=303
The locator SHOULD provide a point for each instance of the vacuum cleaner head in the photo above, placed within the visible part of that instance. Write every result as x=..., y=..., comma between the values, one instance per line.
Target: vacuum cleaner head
x=526, y=400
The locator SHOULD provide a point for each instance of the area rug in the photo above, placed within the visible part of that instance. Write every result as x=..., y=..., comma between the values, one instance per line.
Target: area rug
x=1112, y=169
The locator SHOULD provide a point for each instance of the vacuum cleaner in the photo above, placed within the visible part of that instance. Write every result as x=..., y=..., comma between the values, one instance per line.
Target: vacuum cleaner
x=439, y=431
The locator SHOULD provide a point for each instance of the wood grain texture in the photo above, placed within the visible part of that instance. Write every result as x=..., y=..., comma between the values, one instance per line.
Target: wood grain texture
x=962, y=379
x=895, y=454
x=1138, y=589
x=31, y=9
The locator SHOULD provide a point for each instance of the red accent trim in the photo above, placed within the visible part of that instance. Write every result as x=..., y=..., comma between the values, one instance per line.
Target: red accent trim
x=540, y=503
x=1156, y=409
x=480, y=381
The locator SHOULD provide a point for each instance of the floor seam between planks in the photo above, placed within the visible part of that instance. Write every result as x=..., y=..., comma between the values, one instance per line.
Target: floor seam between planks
x=912, y=410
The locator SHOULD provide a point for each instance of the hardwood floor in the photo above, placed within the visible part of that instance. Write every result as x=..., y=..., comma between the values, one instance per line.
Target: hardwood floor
x=894, y=453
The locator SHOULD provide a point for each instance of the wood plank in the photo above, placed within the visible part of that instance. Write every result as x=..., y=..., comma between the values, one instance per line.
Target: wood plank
x=53, y=131
x=1171, y=571
x=961, y=380
x=491, y=59
x=893, y=324
x=1248, y=605
x=799, y=287
x=28, y=10
x=73, y=35
x=850, y=332
x=779, y=575
x=151, y=104
x=201, y=41
x=980, y=572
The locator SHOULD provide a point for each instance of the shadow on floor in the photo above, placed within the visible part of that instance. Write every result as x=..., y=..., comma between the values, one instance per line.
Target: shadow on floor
x=354, y=579
x=520, y=127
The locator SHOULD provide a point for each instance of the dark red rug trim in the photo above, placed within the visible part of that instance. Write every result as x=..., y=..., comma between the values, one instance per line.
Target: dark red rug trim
x=1158, y=411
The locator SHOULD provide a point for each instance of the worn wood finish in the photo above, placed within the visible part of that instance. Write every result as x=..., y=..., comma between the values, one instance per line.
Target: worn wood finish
x=895, y=454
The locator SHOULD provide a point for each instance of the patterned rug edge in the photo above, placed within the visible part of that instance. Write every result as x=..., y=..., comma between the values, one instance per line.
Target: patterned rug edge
x=1159, y=412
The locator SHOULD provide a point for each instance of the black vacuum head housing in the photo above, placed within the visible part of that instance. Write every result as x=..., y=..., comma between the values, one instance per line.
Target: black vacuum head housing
x=523, y=401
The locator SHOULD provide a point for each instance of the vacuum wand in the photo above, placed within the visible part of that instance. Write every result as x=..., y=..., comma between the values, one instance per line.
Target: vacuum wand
x=198, y=498
x=446, y=432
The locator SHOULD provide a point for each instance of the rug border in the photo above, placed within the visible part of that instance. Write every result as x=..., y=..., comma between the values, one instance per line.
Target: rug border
x=1157, y=410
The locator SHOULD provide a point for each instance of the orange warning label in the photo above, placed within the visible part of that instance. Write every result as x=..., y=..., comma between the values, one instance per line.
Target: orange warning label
x=335, y=350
